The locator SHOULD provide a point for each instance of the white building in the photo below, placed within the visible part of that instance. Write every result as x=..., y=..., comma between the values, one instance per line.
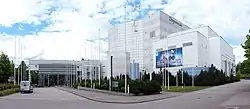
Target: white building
x=199, y=47
x=140, y=35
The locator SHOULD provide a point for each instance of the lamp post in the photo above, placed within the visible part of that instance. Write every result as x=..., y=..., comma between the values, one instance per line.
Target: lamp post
x=193, y=75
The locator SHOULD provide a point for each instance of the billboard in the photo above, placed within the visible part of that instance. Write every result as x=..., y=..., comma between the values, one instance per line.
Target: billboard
x=169, y=58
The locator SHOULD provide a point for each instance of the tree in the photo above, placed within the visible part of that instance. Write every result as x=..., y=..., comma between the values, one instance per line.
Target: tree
x=5, y=67
x=23, y=67
x=146, y=76
x=238, y=67
x=245, y=65
x=34, y=77
x=187, y=79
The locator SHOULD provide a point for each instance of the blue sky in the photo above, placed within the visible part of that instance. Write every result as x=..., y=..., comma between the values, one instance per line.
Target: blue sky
x=52, y=26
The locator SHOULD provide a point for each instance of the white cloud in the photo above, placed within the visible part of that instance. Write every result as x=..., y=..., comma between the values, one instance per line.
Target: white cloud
x=64, y=45
x=239, y=53
x=228, y=17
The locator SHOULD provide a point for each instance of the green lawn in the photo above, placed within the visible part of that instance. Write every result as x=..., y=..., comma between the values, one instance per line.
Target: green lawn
x=184, y=89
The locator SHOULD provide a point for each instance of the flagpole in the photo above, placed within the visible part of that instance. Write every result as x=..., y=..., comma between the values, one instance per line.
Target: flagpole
x=176, y=67
x=125, y=33
x=21, y=60
x=19, y=66
x=91, y=58
x=165, y=82
x=85, y=69
x=99, y=41
x=68, y=73
x=15, y=62
x=76, y=73
x=168, y=63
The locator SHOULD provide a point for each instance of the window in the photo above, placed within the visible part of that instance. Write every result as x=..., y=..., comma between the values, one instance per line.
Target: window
x=152, y=34
x=187, y=44
x=172, y=47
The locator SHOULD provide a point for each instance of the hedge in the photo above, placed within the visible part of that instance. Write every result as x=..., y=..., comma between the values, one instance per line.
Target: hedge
x=7, y=86
x=137, y=87
x=147, y=87
x=9, y=91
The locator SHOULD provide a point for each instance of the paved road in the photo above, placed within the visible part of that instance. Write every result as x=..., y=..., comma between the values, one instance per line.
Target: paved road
x=52, y=98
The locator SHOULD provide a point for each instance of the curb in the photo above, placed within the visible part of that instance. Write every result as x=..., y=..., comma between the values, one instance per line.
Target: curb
x=118, y=102
x=105, y=92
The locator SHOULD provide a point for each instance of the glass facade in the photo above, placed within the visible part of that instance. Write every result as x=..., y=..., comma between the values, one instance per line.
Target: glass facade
x=195, y=70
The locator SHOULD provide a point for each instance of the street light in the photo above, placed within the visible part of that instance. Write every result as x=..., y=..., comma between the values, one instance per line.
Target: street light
x=193, y=75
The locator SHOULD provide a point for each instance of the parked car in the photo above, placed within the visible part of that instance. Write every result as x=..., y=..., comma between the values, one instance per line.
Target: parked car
x=26, y=86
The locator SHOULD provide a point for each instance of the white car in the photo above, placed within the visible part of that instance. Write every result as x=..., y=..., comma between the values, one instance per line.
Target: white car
x=26, y=86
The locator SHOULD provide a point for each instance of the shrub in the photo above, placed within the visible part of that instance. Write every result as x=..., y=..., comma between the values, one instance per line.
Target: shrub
x=150, y=87
x=88, y=84
x=75, y=86
x=104, y=85
x=145, y=87
x=136, y=87
x=7, y=86
x=9, y=91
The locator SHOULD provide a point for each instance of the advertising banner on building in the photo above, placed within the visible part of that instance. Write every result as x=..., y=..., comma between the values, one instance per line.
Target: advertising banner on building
x=169, y=58
x=161, y=59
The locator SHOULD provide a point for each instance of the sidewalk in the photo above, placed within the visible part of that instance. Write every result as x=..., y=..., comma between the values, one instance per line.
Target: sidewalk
x=107, y=98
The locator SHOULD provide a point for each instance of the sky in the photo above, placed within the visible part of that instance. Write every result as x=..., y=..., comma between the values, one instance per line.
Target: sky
x=65, y=29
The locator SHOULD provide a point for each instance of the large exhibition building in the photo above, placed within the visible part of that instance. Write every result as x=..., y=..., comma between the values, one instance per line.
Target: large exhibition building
x=151, y=44
x=160, y=41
